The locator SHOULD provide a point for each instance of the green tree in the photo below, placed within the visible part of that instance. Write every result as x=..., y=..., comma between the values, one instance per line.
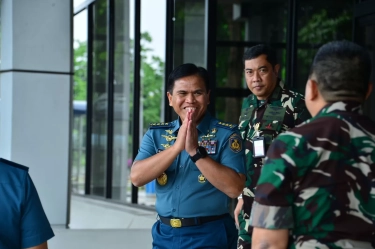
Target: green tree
x=80, y=71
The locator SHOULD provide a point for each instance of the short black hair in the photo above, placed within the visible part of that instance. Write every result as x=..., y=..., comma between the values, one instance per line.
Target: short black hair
x=185, y=70
x=258, y=50
x=342, y=70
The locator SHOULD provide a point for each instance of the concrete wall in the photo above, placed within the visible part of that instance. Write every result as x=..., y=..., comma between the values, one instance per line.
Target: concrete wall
x=35, y=92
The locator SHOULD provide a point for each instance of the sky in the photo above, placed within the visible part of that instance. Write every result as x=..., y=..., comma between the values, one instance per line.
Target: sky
x=153, y=13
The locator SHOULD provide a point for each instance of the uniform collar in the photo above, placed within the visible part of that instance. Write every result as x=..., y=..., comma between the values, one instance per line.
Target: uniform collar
x=342, y=106
x=276, y=94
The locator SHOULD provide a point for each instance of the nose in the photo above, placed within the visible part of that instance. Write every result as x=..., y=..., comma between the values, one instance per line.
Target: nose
x=190, y=98
x=256, y=76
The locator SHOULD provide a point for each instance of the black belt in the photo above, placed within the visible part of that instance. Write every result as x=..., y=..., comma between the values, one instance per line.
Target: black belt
x=185, y=222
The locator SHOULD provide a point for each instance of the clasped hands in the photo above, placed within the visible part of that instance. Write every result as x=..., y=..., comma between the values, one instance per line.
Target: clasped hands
x=187, y=138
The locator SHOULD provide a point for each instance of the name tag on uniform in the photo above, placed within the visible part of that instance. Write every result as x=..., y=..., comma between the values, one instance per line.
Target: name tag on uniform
x=258, y=147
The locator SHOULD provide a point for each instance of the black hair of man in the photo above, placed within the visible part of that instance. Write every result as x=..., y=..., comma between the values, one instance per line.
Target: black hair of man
x=258, y=50
x=342, y=71
x=185, y=70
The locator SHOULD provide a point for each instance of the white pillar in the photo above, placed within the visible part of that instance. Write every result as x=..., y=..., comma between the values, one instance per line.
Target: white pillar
x=35, y=92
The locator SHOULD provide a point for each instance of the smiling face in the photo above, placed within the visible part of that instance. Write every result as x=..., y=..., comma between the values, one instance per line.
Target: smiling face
x=189, y=92
x=261, y=77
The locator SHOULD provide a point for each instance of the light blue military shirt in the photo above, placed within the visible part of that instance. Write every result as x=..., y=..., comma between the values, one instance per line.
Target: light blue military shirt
x=23, y=221
x=187, y=193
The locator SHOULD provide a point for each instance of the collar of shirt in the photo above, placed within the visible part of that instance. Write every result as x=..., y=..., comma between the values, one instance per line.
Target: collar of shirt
x=275, y=96
x=343, y=106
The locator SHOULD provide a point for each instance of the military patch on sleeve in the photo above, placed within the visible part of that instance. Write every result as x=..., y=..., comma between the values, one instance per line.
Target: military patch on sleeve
x=235, y=143
x=228, y=126
x=160, y=125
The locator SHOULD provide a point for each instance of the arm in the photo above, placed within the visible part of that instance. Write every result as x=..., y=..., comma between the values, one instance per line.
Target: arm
x=34, y=225
x=237, y=210
x=272, y=211
x=223, y=178
x=269, y=239
x=145, y=170
x=41, y=246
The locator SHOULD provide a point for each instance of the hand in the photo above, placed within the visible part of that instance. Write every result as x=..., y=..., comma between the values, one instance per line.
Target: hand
x=181, y=136
x=191, y=142
x=237, y=211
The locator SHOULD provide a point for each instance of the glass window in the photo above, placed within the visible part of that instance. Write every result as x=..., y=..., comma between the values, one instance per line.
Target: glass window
x=241, y=25
x=366, y=38
x=152, y=93
x=79, y=103
x=100, y=99
x=319, y=22
x=123, y=100
x=189, y=32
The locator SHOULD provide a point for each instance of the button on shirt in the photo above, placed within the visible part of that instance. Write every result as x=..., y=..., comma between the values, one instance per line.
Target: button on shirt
x=187, y=193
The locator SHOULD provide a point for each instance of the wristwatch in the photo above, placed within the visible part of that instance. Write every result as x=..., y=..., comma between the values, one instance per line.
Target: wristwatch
x=201, y=153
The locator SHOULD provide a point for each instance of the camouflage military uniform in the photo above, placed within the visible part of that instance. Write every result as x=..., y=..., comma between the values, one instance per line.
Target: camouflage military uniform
x=320, y=181
x=281, y=111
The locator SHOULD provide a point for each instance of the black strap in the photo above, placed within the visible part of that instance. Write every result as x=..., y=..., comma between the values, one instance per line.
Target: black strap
x=196, y=221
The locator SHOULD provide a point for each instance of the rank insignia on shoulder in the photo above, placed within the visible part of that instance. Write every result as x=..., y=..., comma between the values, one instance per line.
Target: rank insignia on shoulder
x=226, y=125
x=160, y=125
x=235, y=143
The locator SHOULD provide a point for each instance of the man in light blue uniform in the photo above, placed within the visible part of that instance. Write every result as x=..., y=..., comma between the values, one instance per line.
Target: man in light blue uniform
x=198, y=163
x=23, y=221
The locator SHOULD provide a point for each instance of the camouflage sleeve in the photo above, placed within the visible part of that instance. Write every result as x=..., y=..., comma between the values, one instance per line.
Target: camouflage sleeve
x=272, y=208
x=301, y=114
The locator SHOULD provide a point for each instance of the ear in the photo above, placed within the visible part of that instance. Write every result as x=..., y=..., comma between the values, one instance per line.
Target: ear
x=312, y=87
x=169, y=98
x=276, y=68
x=369, y=90
x=208, y=97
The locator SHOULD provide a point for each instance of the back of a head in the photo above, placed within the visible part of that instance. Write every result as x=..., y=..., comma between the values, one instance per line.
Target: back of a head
x=342, y=71
x=185, y=70
x=258, y=50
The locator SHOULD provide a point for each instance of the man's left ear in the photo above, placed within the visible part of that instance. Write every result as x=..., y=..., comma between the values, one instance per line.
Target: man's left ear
x=169, y=98
x=369, y=90
x=276, y=68
x=208, y=96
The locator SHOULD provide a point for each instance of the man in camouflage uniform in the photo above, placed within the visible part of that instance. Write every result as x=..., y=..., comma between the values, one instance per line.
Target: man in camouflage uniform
x=319, y=186
x=268, y=111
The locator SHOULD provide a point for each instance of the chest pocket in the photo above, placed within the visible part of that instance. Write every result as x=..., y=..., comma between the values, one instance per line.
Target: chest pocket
x=246, y=114
x=272, y=122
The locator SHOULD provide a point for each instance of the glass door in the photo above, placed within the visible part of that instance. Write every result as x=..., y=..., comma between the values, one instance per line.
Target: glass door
x=365, y=36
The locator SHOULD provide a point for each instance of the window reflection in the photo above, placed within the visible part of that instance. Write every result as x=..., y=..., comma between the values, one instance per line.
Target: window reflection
x=123, y=102
x=319, y=22
x=190, y=32
x=100, y=100
x=152, y=76
x=241, y=25
x=79, y=103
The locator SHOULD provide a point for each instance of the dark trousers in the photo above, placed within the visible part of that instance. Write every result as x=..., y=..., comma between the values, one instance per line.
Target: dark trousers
x=218, y=234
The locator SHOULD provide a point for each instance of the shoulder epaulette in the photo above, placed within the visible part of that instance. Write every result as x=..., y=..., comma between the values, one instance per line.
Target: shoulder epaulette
x=228, y=126
x=13, y=164
x=160, y=125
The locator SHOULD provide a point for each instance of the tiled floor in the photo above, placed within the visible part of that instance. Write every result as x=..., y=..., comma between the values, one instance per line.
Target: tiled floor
x=96, y=224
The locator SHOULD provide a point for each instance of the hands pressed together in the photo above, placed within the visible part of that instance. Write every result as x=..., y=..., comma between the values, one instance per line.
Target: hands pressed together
x=187, y=138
